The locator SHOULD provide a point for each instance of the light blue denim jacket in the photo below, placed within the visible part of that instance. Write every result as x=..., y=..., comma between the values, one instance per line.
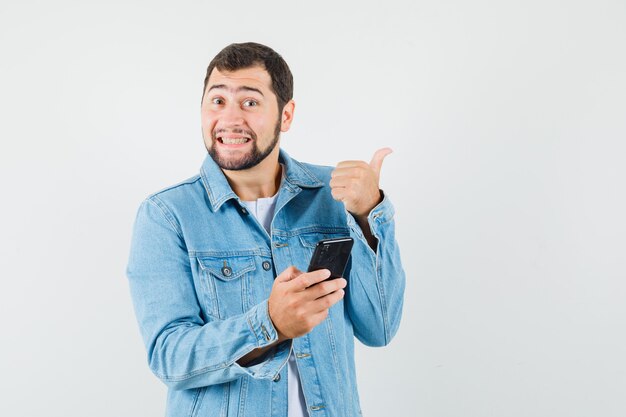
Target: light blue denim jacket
x=201, y=270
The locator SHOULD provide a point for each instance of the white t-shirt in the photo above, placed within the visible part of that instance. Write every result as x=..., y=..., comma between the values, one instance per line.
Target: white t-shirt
x=263, y=210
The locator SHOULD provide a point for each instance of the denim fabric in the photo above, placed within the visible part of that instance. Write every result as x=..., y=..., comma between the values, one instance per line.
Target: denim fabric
x=201, y=270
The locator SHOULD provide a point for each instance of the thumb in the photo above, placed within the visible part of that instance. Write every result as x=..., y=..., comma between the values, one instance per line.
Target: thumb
x=288, y=274
x=377, y=159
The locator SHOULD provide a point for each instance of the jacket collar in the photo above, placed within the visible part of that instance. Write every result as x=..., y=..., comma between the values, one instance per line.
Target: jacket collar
x=219, y=191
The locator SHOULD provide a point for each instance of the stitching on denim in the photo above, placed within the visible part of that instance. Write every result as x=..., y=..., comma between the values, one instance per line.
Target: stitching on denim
x=196, y=401
x=333, y=346
x=225, y=399
x=387, y=217
x=215, y=204
x=374, y=258
x=316, y=181
x=386, y=221
x=205, y=184
x=245, y=292
x=155, y=201
x=221, y=201
x=188, y=375
x=281, y=349
x=243, y=393
x=221, y=253
x=210, y=291
x=188, y=181
x=200, y=371
x=252, y=328
x=311, y=229
x=207, y=368
x=242, y=272
x=313, y=359
x=248, y=261
x=269, y=318
x=381, y=293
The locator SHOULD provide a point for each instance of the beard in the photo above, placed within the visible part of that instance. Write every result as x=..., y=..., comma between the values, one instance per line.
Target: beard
x=250, y=159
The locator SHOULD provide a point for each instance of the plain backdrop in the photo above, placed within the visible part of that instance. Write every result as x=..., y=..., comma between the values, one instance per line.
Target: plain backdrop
x=508, y=122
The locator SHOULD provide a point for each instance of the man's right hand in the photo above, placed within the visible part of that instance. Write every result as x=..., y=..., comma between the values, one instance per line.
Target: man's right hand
x=299, y=301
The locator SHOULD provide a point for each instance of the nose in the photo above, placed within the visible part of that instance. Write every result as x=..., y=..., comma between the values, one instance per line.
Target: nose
x=232, y=115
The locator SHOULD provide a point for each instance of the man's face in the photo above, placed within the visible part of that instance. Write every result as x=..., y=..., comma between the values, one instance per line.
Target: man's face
x=241, y=123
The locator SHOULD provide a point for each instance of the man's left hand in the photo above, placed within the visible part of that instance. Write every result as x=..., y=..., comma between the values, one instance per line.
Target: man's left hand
x=355, y=183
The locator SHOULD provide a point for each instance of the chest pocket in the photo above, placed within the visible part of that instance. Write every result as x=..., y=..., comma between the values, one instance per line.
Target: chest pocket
x=309, y=240
x=227, y=281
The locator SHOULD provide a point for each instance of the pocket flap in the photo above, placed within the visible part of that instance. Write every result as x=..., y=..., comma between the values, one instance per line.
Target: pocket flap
x=227, y=268
x=310, y=239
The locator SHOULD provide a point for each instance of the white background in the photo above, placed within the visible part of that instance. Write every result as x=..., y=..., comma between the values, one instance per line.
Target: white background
x=508, y=121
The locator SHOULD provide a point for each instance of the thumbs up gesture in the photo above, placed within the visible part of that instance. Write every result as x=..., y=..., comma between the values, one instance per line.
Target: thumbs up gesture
x=355, y=183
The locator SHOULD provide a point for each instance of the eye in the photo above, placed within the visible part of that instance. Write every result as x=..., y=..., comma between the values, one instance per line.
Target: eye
x=217, y=100
x=250, y=103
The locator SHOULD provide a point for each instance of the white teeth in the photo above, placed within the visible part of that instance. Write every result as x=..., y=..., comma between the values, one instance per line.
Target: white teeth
x=233, y=141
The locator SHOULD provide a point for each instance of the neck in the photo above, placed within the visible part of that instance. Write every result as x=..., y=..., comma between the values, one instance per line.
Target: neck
x=257, y=182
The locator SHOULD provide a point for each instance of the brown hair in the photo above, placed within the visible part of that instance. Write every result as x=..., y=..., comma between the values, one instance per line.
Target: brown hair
x=245, y=55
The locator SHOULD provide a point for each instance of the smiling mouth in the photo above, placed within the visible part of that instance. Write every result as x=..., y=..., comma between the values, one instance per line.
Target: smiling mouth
x=233, y=141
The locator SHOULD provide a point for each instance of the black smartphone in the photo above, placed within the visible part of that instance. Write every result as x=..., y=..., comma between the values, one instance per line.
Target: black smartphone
x=332, y=254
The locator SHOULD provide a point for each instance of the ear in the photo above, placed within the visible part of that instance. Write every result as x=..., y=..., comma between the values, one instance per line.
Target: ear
x=287, y=115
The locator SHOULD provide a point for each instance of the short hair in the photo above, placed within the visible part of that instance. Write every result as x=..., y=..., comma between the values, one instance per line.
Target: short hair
x=245, y=55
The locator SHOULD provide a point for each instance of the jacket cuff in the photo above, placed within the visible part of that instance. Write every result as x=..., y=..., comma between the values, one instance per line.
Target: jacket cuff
x=270, y=364
x=382, y=213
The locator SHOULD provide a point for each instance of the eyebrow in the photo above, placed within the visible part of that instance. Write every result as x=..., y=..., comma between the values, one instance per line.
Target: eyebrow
x=238, y=89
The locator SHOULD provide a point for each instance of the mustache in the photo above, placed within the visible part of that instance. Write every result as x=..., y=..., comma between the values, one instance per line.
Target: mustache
x=237, y=131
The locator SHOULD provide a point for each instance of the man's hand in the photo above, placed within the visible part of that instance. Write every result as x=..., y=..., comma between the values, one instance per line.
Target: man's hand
x=298, y=303
x=355, y=183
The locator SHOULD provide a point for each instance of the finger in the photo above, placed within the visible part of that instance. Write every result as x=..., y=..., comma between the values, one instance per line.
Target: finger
x=350, y=164
x=377, y=159
x=343, y=193
x=326, y=302
x=324, y=288
x=340, y=182
x=339, y=193
x=307, y=279
x=349, y=171
x=317, y=318
x=288, y=274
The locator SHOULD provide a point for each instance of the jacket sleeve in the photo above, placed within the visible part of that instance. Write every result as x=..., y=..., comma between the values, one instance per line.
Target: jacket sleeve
x=183, y=350
x=376, y=281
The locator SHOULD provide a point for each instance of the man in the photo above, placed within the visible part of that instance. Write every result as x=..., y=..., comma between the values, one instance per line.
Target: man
x=231, y=323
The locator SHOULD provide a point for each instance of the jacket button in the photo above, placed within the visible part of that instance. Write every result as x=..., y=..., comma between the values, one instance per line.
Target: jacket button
x=277, y=378
x=226, y=271
x=267, y=265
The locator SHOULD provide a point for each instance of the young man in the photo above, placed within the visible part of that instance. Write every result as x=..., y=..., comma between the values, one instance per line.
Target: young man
x=231, y=323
